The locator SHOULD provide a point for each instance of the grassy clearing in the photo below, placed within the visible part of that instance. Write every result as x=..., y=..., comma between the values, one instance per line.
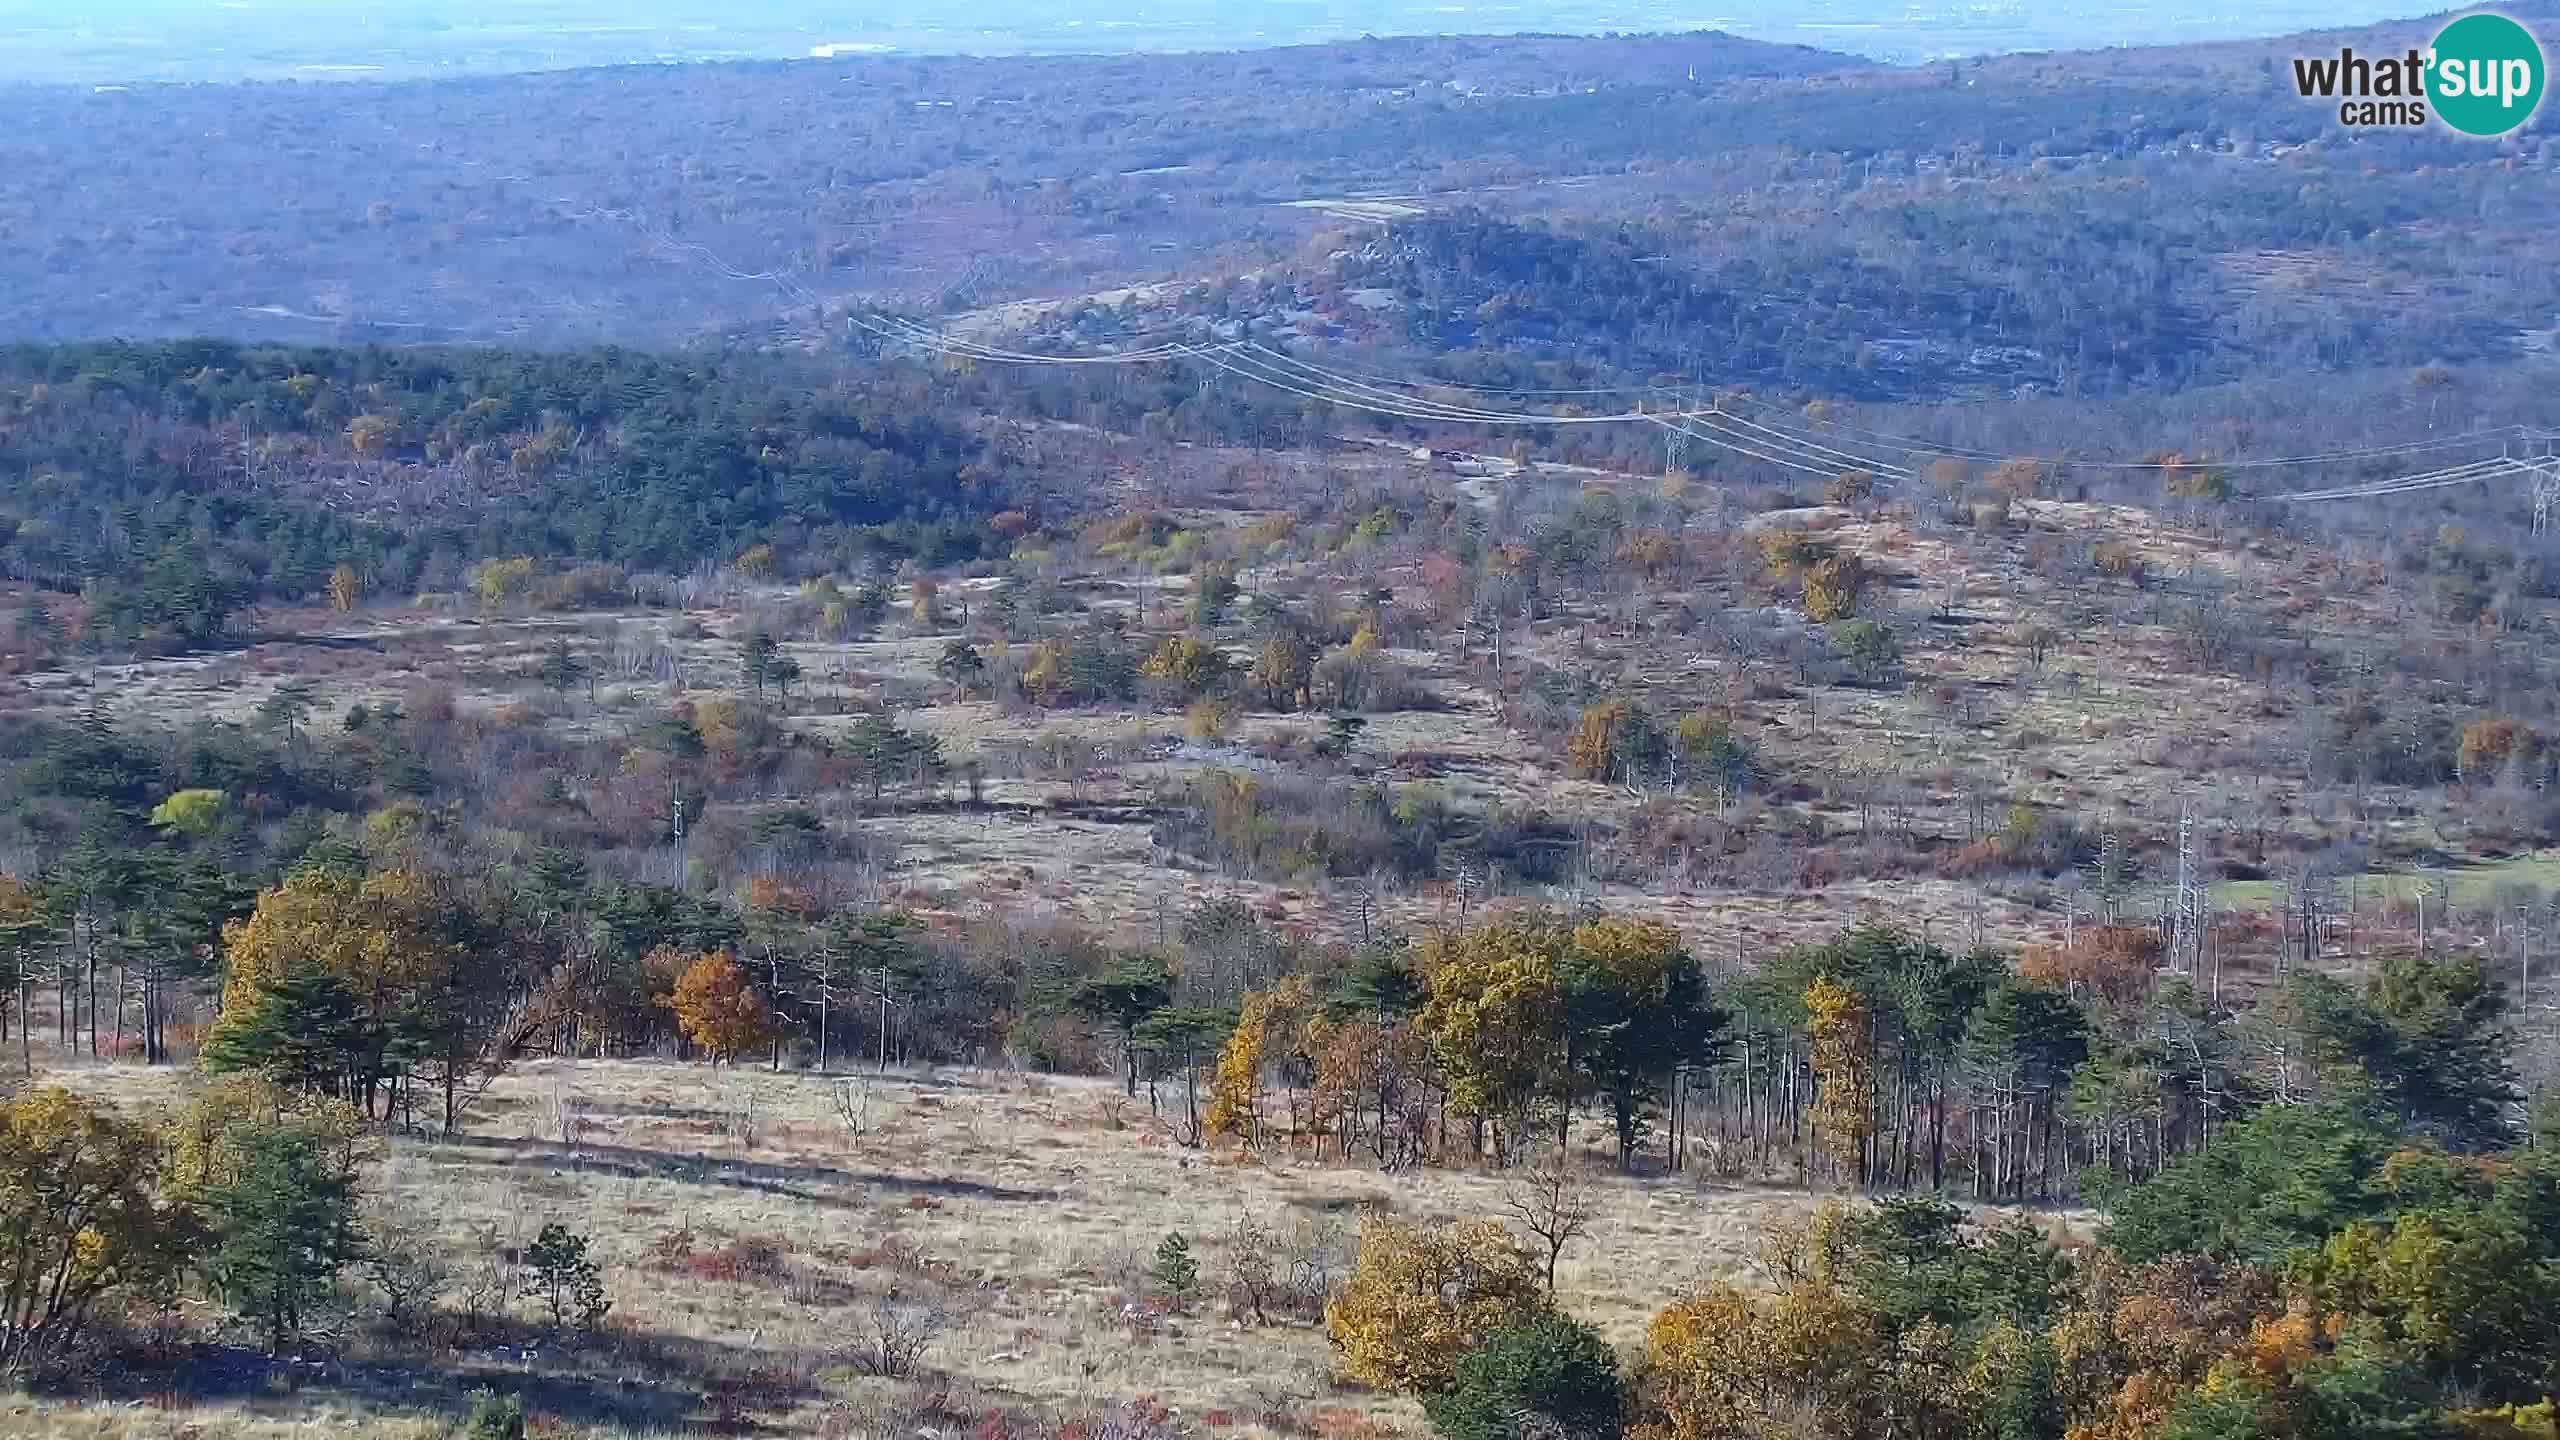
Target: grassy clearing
x=2469, y=885
x=749, y=1236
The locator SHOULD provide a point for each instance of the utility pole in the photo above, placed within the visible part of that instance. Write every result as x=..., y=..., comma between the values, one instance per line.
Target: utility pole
x=2524, y=950
x=2186, y=937
x=675, y=806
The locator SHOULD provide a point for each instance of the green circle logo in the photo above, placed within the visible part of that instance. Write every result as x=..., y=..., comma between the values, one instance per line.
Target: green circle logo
x=2485, y=75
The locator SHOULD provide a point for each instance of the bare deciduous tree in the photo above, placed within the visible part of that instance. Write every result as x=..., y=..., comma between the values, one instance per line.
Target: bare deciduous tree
x=1552, y=1200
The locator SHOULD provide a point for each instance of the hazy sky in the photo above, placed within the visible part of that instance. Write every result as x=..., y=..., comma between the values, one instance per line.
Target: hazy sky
x=107, y=41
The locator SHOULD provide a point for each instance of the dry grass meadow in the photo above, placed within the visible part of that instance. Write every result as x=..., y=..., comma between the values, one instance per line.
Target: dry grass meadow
x=751, y=1239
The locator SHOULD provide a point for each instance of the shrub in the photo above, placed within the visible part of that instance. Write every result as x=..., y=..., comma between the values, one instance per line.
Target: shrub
x=895, y=1338
x=1186, y=665
x=1612, y=740
x=1872, y=649
x=1538, y=1374
x=493, y=1418
x=2016, y=479
x=749, y=1259
x=78, y=1219
x=1207, y=719
x=560, y=1275
x=2117, y=559
x=1420, y=1297
x=1849, y=487
x=1833, y=588
x=1789, y=553
x=409, y=1267
x=2486, y=746
x=1253, y=1272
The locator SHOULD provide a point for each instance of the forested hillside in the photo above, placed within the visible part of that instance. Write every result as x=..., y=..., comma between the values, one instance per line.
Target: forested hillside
x=177, y=482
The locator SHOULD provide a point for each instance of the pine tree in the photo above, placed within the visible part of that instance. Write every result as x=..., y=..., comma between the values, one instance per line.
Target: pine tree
x=1175, y=1270
x=1538, y=1375
x=561, y=668
x=755, y=663
x=1136, y=987
x=285, y=1226
x=564, y=1279
x=303, y=1030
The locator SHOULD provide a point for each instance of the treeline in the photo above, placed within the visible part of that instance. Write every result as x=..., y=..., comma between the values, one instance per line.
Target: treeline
x=335, y=844
x=175, y=482
x=380, y=950
x=2400, y=1290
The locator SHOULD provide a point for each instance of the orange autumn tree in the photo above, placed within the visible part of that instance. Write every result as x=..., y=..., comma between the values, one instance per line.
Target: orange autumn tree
x=2114, y=962
x=718, y=1010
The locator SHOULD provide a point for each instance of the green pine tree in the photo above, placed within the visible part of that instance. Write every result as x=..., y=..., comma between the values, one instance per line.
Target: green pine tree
x=562, y=1277
x=1540, y=1374
x=304, y=1030
x=284, y=1223
x=1175, y=1270
x=493, y=1418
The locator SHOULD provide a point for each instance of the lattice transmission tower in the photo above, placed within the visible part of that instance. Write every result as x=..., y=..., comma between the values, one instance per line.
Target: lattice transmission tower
x=2543, y=459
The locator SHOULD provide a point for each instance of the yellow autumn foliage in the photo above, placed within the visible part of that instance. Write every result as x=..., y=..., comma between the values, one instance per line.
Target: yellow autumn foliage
x=718, y=1009
x=1494, y=1011
x=1723, y=1364
x=2509, y=1422
x=1833, y=588
x=203, y=1139
x=1421, y=1296
x=1268, y=1017
x=380, y=933
x=1187, y=663
x=1844, y=1068
x=79, y=1218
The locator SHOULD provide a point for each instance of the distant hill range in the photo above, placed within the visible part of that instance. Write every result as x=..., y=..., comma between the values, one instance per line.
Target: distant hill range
x=2091, y=221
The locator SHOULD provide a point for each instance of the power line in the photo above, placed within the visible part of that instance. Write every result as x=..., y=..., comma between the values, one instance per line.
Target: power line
x=1433, y=382
x=1882, y=441
x=1787, y=445
x=1722, y=441
x=2471, y=474
x=1814, y=446
x=909, y=332
x=1348, y=389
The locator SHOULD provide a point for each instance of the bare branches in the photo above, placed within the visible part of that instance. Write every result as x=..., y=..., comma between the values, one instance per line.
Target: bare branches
x=1553, y=1201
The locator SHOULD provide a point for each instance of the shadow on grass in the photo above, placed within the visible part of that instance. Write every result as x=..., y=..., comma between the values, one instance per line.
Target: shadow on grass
x=786, y=1181
x=629, y=1380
